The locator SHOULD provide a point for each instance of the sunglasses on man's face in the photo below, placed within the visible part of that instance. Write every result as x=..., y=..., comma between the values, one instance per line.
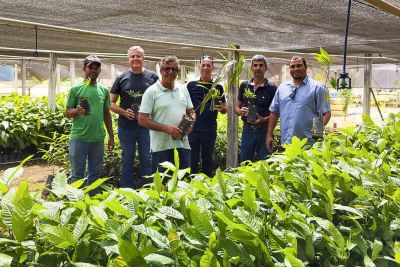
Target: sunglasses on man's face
x=169, y=70
x=293, y=93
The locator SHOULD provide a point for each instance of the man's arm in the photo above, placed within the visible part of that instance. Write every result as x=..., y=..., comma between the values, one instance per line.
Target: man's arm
x=326, y=117
x=108, y=124
x=272, y=121
x=73, y=112
x=239, y=110
x=145, y=121
x=127, y=113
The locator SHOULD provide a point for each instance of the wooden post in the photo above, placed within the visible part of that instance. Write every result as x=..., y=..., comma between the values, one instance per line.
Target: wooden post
x=367, y=85
x=158, y=70
x=183, y=74
x=52, y=81
x=23, y=77
x=282, y=74
x=196, y=71
x=233, y=120
x=16, y=78
x=58, y=73
x=72, y=71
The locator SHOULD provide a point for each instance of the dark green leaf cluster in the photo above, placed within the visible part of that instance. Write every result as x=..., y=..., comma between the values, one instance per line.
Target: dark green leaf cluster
x=25, y=120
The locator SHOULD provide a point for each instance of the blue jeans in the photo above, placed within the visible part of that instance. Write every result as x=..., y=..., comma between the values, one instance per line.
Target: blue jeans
x=79, y=152
x=128, y=139
x=168, y=155
x=202, y=143
x=253, y=141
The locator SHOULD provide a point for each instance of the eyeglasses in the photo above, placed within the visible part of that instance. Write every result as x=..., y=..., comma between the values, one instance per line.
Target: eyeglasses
x=296, y=66
x=169, y=70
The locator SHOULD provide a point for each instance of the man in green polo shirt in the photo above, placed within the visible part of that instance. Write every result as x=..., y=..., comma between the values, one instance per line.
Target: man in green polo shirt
x=161, y=110
x=88, y=105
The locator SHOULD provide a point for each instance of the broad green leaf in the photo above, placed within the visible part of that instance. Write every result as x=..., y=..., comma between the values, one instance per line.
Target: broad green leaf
x=249, y=198
x=200, y=221
x=5, y=260
x=3, y=187
x=59, y=184
x=95, y=184
x=59, y=237
x=333, y=232
x=208, y=260
x=348, y=209
x=74, y=194
x=280, y=212
x=159, y=259
x=171, y=212
x=291, y=259
x=221, y=181
x=80, y=226
x=131, y=254
x=249, y=219
x=7, y=208
x=118, y=208
x=159, y=239
x=125, y=226
x=377, y=247
x=263, y=184
x=99, y=215
x=22, y=220
x=157, y=181
x=317, y=169
x=368, y=262
x=230, y=224
x=235, y=250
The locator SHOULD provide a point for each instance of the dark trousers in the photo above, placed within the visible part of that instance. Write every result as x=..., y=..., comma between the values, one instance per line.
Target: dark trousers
x=168, y=155
x=202, y=145
x=253, y=141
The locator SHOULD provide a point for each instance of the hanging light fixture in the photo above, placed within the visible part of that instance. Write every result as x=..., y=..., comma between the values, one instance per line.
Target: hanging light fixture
x=344, y=81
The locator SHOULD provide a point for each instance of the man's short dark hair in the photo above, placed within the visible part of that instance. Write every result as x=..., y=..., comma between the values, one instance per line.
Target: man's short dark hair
x=259, y=58
x=299, y=57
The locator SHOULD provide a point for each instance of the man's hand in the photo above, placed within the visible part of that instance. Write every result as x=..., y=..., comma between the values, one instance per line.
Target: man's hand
x=269, y=143
x=128, y=113
x=220, y=107
x=79, y=111
x=260, y=122
x=243, y=111
x=110, y=143
x=173, y=131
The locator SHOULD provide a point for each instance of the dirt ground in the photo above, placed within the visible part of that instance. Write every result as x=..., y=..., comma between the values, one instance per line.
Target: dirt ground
x=36, y=174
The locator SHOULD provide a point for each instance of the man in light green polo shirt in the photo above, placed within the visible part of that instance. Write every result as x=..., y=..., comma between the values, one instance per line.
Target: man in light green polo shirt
x=161, y=110
x=88, y=106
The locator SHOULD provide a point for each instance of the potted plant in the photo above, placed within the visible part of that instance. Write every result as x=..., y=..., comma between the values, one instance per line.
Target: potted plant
x=249, y=97
x=84, y=101
x=185, y=124
x=136, y=99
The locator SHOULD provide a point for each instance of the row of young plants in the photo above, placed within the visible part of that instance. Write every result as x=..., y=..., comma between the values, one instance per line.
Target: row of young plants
x=24, y=120
x=336, y=204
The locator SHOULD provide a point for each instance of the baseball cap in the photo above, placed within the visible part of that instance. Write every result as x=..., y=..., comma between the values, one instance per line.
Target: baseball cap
x=91, y=59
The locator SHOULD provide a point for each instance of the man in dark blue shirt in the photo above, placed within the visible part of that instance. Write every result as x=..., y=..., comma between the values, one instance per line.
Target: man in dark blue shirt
x=129, y=86
x=204, y=133
x=263, y=91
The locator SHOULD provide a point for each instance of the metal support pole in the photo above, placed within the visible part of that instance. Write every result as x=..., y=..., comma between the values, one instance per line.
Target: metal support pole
x=183, y=74
x=52, y=81
x=112, y=73
x=72, y=71
x=367, y=85
x=233, y=121
x=58, y=73
x=23, y=77
x=158, y=70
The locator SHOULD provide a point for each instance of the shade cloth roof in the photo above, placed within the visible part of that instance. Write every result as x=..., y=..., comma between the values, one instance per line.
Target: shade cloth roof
x=190, y=29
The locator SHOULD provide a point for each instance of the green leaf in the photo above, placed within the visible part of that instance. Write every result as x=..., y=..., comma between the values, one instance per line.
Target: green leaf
x=58, y=236
x=249, y=198
x=95, y=184
x=200, y=221
x=208, y=259
x=22, y=221
x=131, y=254
x=333, y=232
x=59, y=184
x=280, y=212
x=3, y=187
x=291, y=259
x=159, y=239
x=99, y=215
x=368, y=262
x=81, y=226
x=377, y=247
x=171, y=212
x=118, y=208
x=159, y=259
x=157, y=181
x=5, y=260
